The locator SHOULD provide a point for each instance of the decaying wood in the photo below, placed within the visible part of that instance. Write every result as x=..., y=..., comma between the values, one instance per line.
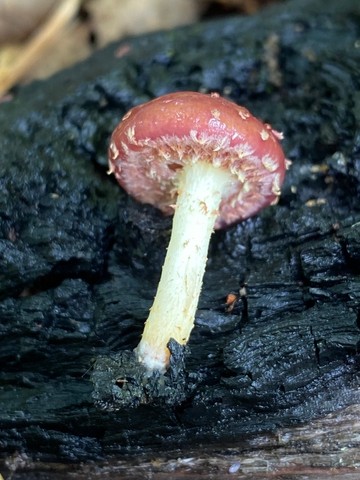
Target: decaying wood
x=326, y=448
x=272, y=367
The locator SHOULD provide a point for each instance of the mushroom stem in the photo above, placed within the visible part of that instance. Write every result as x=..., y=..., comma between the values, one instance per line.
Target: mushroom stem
x=200, y=189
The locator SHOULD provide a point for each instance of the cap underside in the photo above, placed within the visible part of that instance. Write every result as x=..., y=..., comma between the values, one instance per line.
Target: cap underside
x=152, y=167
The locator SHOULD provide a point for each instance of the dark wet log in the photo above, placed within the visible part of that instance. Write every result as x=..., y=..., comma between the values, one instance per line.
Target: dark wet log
x=272, y=382
x=326, y=448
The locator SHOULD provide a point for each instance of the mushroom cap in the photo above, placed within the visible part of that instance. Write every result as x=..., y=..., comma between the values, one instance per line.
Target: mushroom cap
x=156, y=139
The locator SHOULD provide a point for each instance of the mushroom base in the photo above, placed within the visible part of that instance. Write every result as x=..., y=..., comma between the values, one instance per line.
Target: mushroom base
x=120, y=381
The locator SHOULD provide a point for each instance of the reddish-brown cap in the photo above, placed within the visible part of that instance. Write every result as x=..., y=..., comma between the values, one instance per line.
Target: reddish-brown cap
x=154, y=140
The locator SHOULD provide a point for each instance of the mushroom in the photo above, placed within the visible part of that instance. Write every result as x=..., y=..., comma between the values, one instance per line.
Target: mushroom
x=212, y=164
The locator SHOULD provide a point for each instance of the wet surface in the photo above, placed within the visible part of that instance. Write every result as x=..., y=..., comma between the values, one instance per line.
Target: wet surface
x=80, y=260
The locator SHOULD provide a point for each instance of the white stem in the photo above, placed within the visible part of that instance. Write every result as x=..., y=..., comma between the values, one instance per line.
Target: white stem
x=201, y=187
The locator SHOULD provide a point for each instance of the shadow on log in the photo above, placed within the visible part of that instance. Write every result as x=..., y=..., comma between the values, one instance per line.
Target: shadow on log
x=273, y=379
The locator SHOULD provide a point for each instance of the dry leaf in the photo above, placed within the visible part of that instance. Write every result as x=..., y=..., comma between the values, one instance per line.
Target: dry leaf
x=44, y=37
x=113, y=19
x=18, y=18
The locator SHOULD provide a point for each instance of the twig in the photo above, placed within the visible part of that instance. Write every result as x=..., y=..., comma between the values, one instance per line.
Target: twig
x=38, y=44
